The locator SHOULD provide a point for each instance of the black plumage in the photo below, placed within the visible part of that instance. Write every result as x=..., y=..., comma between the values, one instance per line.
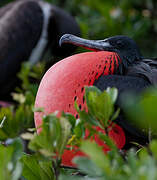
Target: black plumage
x=137, y=78
x=28, y=28
x=125, y=85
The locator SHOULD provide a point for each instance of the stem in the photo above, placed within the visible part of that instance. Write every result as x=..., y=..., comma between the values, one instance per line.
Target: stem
x=149, y=135
x=56, y=167
x=2, y=122
x=78, y=173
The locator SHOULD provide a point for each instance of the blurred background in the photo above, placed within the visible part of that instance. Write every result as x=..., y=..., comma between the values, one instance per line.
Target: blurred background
x=103, y=18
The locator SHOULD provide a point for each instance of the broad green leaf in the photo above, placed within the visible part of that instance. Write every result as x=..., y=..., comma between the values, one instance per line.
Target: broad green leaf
x=88, y=118
x=100, y=104
x=113, y=93
x=87, y=92
x=35, y=169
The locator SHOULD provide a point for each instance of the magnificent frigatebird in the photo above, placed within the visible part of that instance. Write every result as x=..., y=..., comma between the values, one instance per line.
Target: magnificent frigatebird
x=28, y=28
x=134, y=74
x=116, y=62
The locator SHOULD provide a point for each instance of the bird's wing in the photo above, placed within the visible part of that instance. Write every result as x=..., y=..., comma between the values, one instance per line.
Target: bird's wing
x=122, y=83
x=125, y=84
x=147, y=69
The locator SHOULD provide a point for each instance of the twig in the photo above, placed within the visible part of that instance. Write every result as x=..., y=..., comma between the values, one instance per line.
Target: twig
x=2, y=122
x=56, y=168
x=149, y=135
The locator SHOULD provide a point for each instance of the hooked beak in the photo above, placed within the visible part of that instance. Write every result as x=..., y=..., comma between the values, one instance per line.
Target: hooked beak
x=94, y=45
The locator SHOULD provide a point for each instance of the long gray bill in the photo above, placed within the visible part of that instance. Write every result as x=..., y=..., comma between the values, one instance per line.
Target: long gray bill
x=95, y=45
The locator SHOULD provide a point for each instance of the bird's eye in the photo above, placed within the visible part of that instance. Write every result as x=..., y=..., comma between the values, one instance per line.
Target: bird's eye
x=119, y=43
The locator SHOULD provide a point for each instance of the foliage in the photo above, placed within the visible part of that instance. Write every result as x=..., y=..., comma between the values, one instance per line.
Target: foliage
x=34, y=168
x=10, y=166
x=141, y=110
x=47, y=147
x=53, y=138
x=18, y=119
x=113, y=167
x=98, y=19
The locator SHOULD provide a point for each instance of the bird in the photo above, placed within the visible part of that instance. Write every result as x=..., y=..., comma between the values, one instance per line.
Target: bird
x=63, y=85
x=28, y=30
x=134, y=74
x=115, y=62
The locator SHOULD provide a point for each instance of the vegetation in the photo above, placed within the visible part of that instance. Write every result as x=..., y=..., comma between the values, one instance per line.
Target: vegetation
x=36, y=163
x=27, y=156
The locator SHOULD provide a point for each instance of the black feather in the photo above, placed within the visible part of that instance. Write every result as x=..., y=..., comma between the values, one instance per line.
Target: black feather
x=21, y=26
x=125, y=84
x=146, y=68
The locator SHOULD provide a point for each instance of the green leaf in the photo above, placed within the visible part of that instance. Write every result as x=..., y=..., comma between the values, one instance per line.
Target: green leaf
x=66, y=130
x=88, y=118
x=79, y=129
x=71, y=119
x=153, y=148
x=53, y=137
x=10, y=166
x=115, y=114
x=89, y=89
x=71, y=177
x=35, y=169
x=46, y=141
x=96, y=154
x=16, y=121
x=87, y=166
x=113, y=93
x=141, y=110
x=100, y=104
x=108, y=141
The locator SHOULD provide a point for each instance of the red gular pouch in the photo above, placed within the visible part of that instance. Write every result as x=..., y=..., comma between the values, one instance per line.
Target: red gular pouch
x=115, y=133
x=63, y=84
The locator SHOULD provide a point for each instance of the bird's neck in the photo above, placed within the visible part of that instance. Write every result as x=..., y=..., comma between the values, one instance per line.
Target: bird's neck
x=126, y=62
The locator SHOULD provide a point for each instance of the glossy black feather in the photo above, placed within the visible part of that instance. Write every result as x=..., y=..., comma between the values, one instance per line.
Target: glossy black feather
x=122, y=83
x=146, y=68
x=125, y=84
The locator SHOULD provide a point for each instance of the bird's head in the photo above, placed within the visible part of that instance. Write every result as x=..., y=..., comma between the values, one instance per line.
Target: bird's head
x=124, y=46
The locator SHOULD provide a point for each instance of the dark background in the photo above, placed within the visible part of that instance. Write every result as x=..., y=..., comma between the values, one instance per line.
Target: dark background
x=99, y=19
